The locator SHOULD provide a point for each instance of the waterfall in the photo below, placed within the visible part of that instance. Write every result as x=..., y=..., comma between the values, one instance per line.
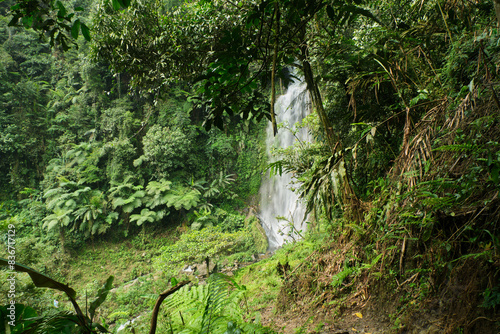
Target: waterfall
x=276, y=198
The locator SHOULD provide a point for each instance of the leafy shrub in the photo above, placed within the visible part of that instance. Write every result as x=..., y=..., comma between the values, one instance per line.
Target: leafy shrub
x=231, y=222
x=197, y=245
x=165, y=150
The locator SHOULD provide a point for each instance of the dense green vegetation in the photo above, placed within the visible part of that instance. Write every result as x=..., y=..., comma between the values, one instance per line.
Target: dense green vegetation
x=87, y=159
x=138, y=150
x=100, y=155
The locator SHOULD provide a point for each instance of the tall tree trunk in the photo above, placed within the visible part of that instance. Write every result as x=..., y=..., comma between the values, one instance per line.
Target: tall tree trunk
x=317, y=100
x=496, y=4
x=349, y=198
x=119, y=83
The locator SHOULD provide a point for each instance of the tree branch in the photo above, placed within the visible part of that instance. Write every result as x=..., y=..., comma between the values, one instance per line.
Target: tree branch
x=161, y=298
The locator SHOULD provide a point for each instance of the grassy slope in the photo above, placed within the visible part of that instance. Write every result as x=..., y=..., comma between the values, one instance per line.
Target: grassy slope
x=304, y=287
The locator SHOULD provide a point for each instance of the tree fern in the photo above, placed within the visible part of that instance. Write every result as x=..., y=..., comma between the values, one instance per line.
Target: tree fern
x=182, y=198
x=146, y=215
x=155, y=191
x=60, y=217
x=57, y=198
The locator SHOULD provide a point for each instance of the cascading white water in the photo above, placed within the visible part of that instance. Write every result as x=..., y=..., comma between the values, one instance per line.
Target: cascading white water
x=277, y=200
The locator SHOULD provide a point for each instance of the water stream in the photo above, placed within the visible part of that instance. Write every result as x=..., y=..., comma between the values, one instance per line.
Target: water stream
x=277, y=200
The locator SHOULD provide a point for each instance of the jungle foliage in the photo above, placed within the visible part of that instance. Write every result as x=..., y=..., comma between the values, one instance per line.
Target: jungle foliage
x=98, y=155
x=157, y=121
x=85, y=157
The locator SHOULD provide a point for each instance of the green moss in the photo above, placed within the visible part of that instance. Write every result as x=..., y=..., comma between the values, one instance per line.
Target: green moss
x=258, y=234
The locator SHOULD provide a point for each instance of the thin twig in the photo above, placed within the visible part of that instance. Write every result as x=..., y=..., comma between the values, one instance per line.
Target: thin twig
x=408, y=280
x=401, y=258
x=480, y=318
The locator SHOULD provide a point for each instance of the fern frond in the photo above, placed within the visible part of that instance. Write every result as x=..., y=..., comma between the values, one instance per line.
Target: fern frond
x=60, y=322
x=186, y=298
x=455, y=148
x=222, y=303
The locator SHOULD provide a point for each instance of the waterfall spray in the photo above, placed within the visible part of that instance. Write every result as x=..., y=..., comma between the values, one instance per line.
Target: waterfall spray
x=281, y=212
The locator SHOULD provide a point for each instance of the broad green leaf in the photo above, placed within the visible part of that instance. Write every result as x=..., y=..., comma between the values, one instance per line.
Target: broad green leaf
x=14, y=20
x=111, y=217
x=139, y=194
x=40, y=280
x=330, y=12
x=85, y=31
x=120, y=201
x=174, y=281
x=66, y=220
x=24, y=317
x=145, y=216
x=51, y=224
x=137, y=162
x=75, y=29
x=27, y=21
x=128, y=208
x=116, y=4
x=62, y=10
x=101, y=296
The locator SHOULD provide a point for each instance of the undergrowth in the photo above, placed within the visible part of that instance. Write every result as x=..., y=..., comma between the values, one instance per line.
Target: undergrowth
x=428, y=240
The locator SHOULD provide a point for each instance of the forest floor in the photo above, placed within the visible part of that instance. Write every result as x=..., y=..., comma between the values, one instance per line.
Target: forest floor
x=296, y=321
x=354, y=313
x=278, y=285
